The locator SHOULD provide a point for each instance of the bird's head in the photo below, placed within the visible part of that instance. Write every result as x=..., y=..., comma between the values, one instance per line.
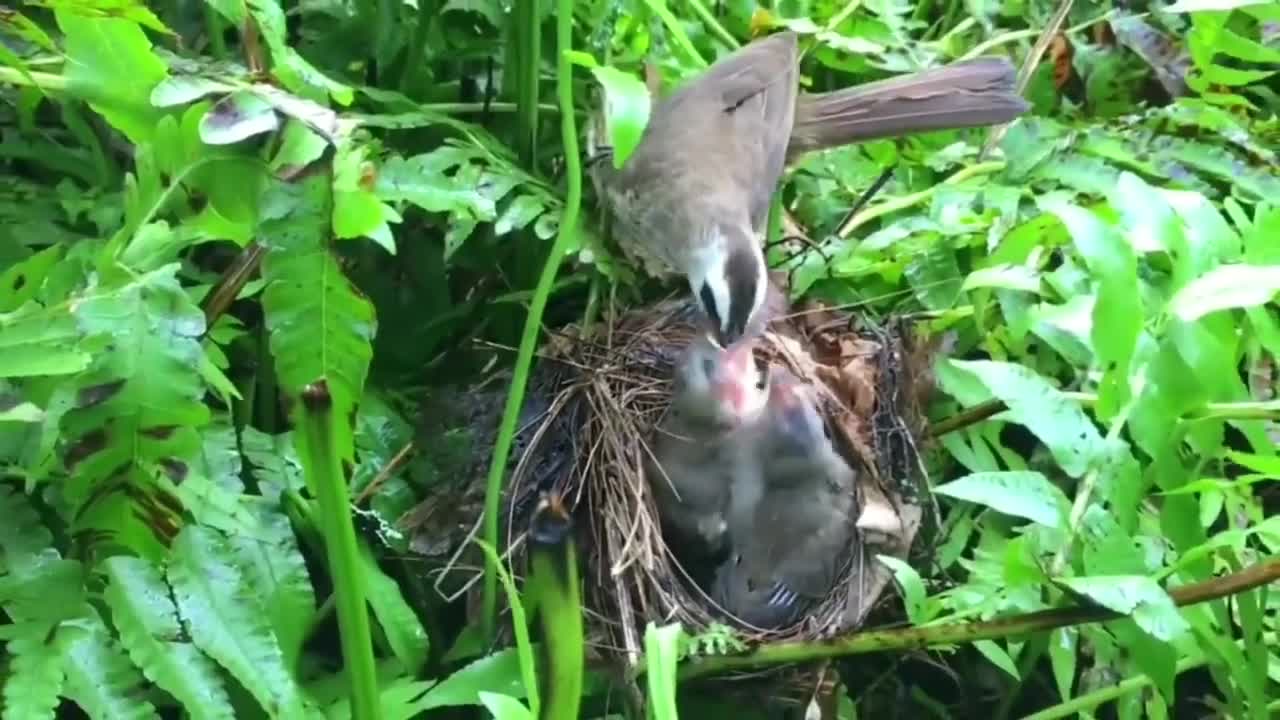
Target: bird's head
x=729, y=279
x=795, y=425
x=718, y=385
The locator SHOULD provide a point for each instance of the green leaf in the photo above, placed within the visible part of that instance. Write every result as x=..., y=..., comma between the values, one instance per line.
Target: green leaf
x=504, y=707
x=1023, y=494
x=357, y=211
x=1009, y=277
x=110, y=64
x=424, y=180
x=1226, y=287
x=1154, y=657
x=147, y=621
x=22, y=281
x=1117, y=314
x=1189, y=6
x=912, y=587
x=274, y=567
x=100, y=678
x=35, y=674
x=1139, y=597
x=321, y=327
x=404, y=631
x=140, y=404
x=1062, y=648
x=661, y=656
x=23, y=412
x=238, y=116
x=626, y=106
x=299, y=147
x=497, y=672
x=1033, y=402
x=522, y=210
x=224, y=617
x=40, y=342
x=293, y=71
x=182, y=89
x=998, y=657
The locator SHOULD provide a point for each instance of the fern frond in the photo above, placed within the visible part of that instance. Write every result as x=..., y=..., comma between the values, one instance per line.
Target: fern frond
x=227, y=621
x=147, y=620
x=35, y=673
x=99, y=676
x=320, y=325
x=274, y=568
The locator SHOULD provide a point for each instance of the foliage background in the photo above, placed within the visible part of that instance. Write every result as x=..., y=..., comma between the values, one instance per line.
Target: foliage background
x=208, y=207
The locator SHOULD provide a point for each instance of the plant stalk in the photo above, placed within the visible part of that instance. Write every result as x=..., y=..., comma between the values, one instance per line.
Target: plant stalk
x=323, y=469
x=533, y=321
x=950, y=633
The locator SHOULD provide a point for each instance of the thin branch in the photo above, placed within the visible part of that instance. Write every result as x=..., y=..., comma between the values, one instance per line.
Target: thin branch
x=859, y=642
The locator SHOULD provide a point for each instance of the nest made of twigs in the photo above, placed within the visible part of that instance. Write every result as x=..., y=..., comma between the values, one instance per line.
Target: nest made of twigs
x=584, y=437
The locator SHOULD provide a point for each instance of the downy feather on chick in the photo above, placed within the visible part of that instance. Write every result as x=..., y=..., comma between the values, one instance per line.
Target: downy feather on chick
x=790, y=522
x=716, y=396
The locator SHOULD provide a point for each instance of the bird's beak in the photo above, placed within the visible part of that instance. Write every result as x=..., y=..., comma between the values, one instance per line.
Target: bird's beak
x=736, y=377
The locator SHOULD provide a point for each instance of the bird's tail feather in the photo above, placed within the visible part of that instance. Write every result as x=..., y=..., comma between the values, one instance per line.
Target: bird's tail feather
x=966, y=94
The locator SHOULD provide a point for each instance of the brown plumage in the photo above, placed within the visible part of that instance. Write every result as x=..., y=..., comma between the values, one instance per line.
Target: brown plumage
x=696, y=191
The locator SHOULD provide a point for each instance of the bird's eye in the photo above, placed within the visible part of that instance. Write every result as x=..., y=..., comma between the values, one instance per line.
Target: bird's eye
x=708, y=366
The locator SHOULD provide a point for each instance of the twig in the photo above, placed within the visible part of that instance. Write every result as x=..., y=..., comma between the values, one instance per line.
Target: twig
x=1028, y=65
x=392, y=466
x=906, y=201
x=1263, y=410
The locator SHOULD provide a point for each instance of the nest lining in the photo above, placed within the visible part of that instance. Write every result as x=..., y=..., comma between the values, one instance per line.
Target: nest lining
x=594, y=403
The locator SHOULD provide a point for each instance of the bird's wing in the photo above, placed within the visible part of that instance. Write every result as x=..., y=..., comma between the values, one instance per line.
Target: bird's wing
x=754, y=89
x=812, y=525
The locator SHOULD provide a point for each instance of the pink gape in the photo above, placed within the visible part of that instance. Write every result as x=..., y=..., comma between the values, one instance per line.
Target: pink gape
x=734, y=381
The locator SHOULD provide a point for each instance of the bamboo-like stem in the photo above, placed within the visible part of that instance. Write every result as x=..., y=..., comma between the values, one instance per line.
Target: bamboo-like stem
x=324, y=475
x=859, y=642
x=1254, y=410
x=533, y=321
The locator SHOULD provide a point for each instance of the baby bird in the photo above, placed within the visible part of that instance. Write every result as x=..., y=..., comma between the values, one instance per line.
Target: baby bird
x=787, y=534
x=716, y=394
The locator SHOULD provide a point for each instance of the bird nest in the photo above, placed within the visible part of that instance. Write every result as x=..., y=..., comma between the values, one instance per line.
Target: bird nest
x=593, y=404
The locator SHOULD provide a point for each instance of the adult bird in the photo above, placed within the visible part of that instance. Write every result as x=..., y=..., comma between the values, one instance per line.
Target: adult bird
x=716, y=395
x=786, y=534
x=696, y=190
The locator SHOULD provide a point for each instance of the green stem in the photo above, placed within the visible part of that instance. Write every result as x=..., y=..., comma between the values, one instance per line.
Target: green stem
x=1016, y=35
x=1084, y=493
x=906, y=201
x=324, y=475
x=527, y=47
x=42, y=80
x=533, y=321
x=1081, y=703
x=849, y=8
x=415, y=61
x=554, y=582
x=949, y=632
x=704, y=14
x=213, y=28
